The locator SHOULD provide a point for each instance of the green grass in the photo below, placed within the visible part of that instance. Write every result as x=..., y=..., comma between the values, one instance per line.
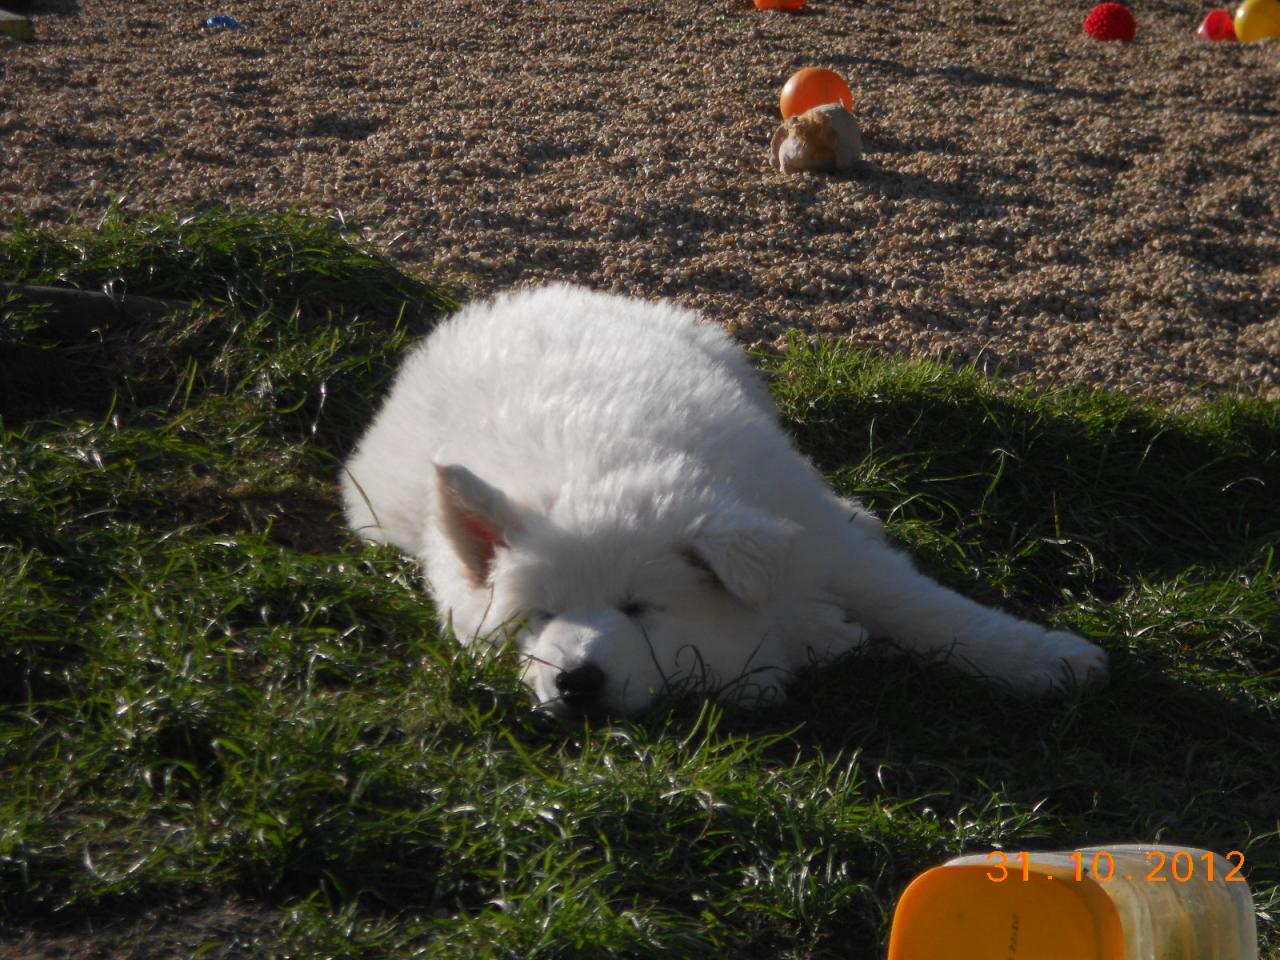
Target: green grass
x=214, y=703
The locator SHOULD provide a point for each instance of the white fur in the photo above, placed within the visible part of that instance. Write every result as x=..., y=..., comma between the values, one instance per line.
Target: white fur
x=557, y=457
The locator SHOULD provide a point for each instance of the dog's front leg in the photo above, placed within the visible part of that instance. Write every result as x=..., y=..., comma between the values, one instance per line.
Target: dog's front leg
x=885, y=592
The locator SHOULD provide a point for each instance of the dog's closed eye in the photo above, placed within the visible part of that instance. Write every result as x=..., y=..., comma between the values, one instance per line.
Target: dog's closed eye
x=695, y=560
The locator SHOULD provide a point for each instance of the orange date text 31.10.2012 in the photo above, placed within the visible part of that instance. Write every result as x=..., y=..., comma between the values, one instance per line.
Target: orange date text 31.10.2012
x=1162, y=867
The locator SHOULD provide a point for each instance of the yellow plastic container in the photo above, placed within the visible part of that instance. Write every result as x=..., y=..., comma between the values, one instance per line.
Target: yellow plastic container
x=1119, y=902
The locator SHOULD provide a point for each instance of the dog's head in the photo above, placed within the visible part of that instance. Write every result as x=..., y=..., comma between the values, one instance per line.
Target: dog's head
x=625, y=588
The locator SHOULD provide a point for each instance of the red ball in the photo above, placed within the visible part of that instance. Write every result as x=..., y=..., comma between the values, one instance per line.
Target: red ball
x=1110, y=21
x=1218, y=25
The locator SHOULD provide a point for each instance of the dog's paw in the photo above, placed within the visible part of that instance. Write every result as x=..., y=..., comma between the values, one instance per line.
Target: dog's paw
x=1063, y=661
x=832, y=632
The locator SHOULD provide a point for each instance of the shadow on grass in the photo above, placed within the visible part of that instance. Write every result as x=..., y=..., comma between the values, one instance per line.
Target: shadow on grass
x=322, y=316
x=1136, y=488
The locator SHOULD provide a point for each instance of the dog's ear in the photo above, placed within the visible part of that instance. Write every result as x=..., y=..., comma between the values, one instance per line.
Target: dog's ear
x=743, y=548
x=476, y=517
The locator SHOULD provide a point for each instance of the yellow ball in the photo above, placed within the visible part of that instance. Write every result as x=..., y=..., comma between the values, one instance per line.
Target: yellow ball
x=1257, y=19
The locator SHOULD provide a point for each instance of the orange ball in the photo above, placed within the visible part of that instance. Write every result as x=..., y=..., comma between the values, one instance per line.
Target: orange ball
x=812, y=87
x=779, y=4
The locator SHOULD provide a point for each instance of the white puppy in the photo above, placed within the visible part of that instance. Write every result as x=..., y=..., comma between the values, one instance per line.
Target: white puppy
x=606, y=478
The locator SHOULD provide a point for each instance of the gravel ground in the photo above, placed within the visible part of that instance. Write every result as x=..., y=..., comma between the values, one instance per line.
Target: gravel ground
x=1058, y=209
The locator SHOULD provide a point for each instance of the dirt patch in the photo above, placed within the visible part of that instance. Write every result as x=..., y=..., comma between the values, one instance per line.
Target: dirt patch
x=1062, y=210
x=214, y=931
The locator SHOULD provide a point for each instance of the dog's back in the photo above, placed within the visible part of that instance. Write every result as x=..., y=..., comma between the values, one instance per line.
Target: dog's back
x=539, y=387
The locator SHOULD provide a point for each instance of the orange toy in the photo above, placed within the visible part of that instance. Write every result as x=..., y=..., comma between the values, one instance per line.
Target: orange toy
x=812, y=87
x=779, y=4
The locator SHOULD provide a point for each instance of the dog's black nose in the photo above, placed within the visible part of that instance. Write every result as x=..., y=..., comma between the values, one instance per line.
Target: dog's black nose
x=579, y=686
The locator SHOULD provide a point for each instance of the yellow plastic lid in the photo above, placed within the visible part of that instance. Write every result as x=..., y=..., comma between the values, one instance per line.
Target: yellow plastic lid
x=960, y=913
